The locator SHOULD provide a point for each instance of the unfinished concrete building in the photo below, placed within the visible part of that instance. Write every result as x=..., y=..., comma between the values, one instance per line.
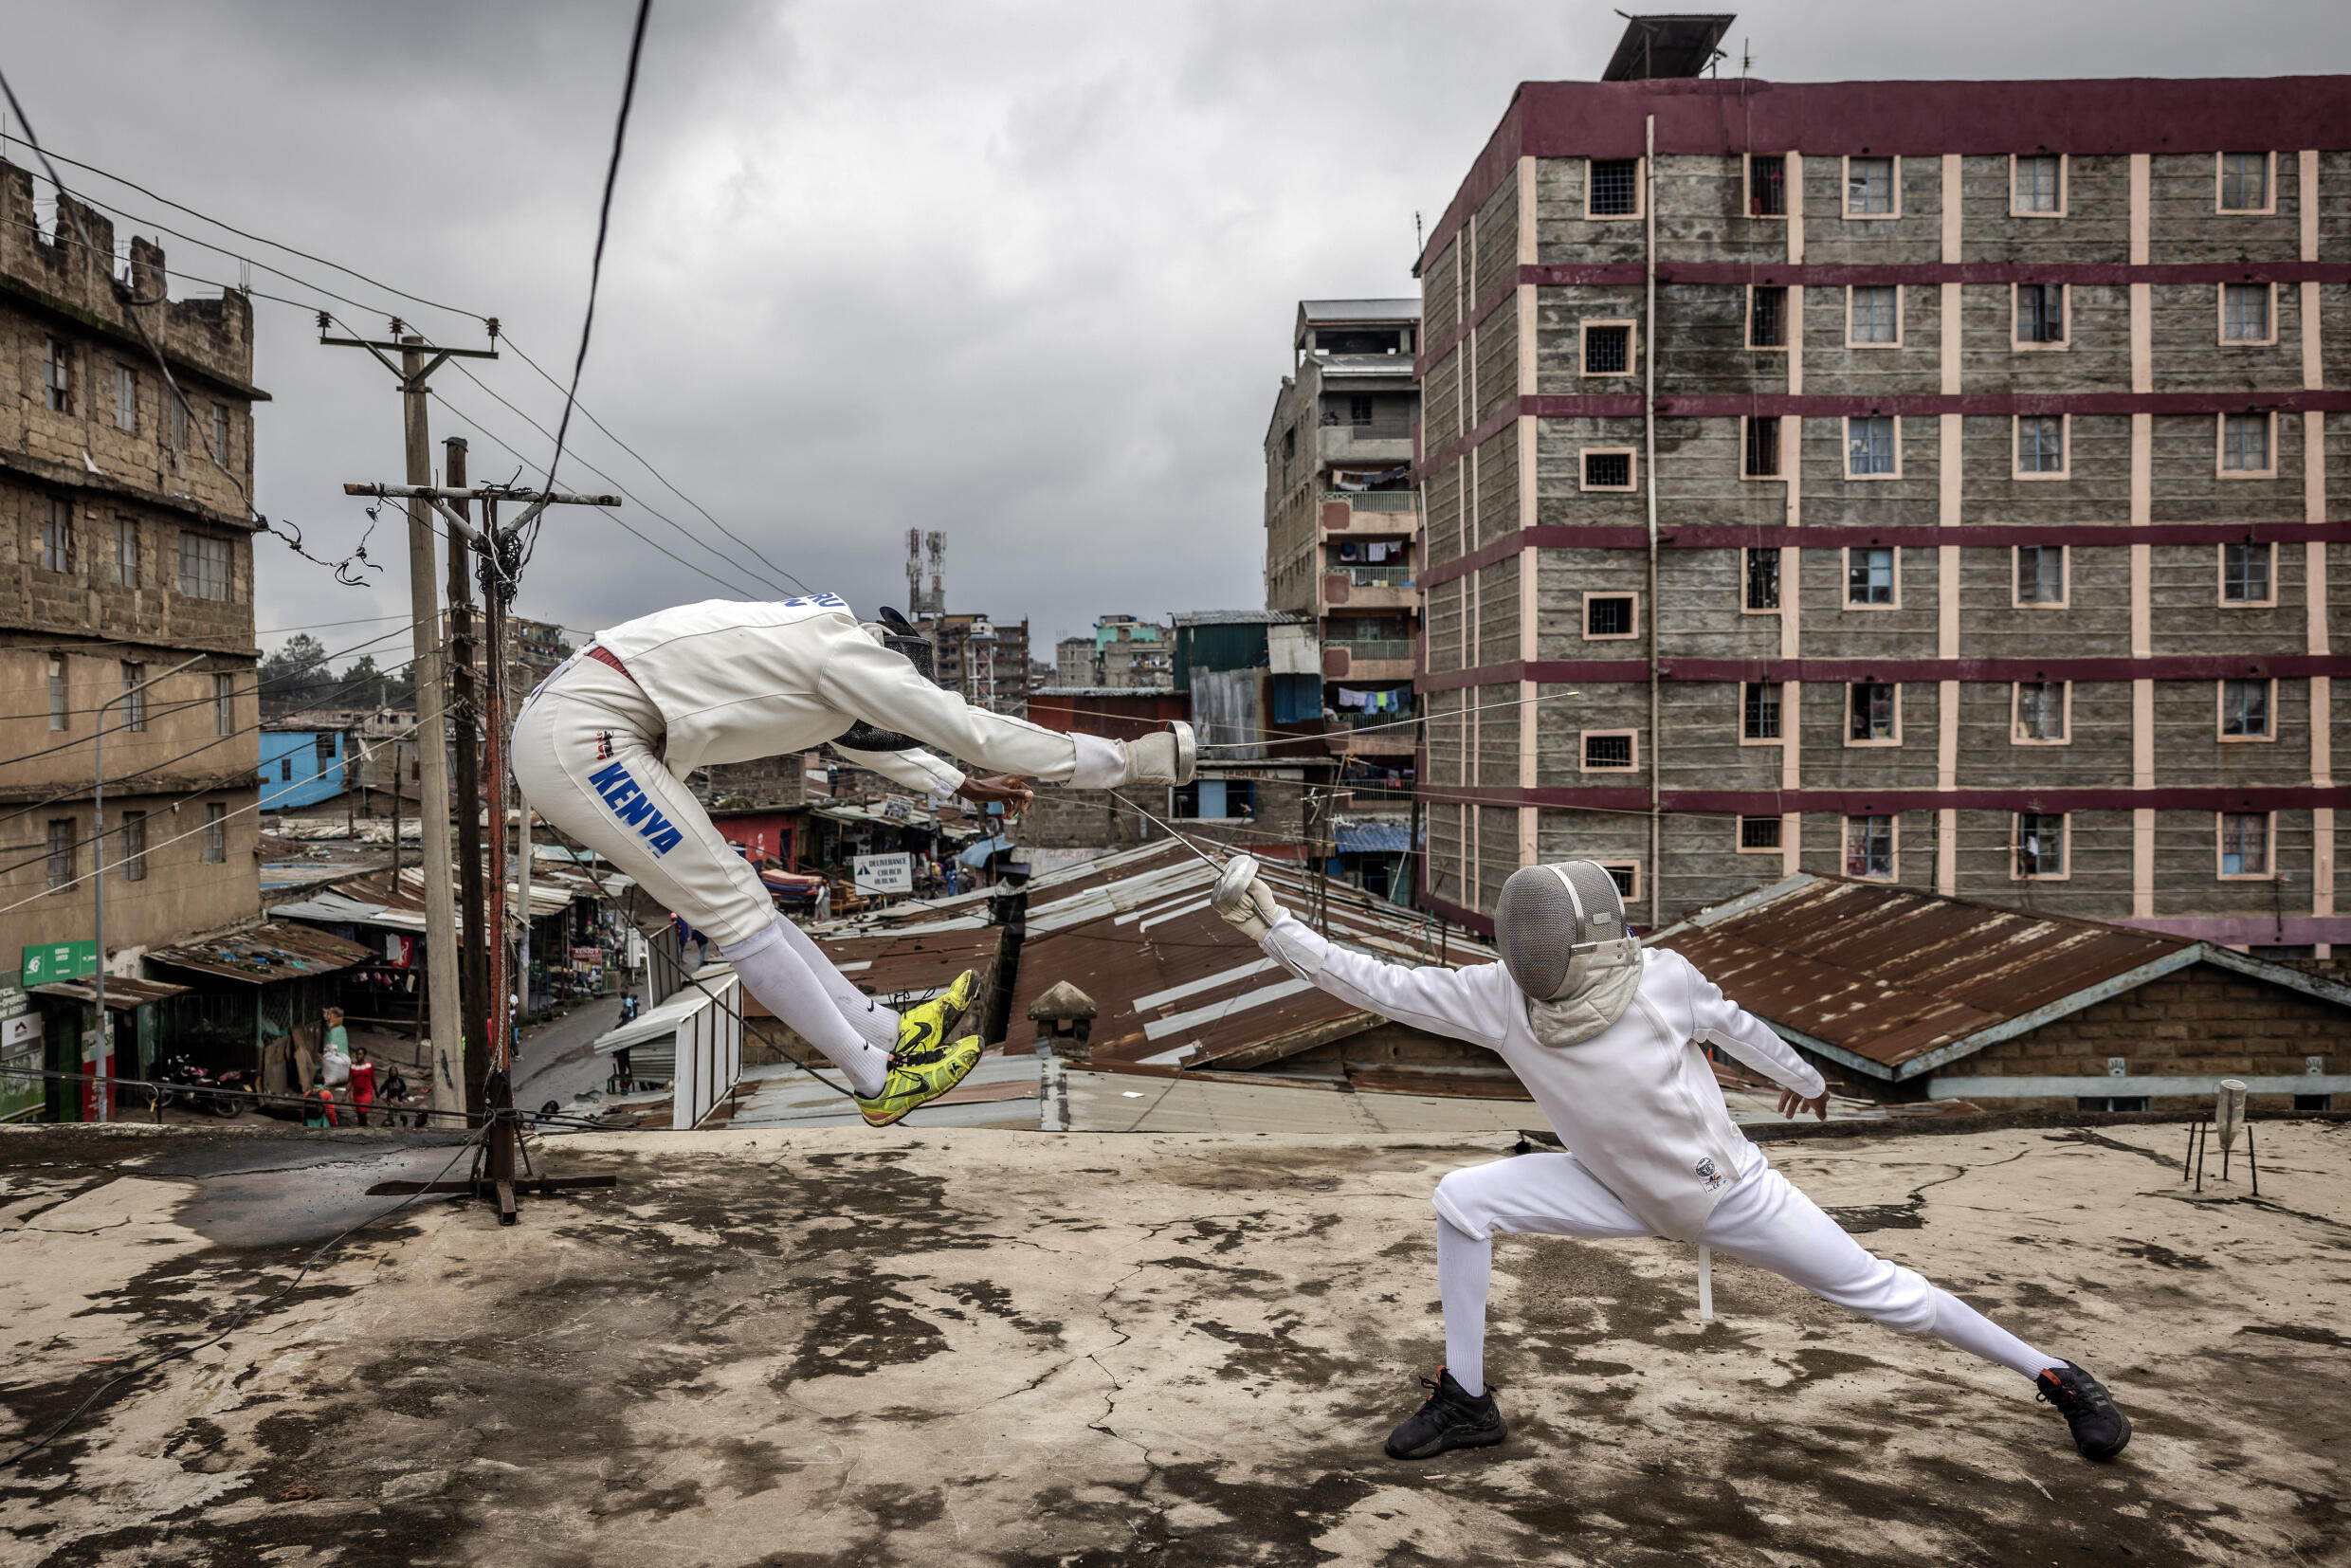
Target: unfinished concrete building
x=1919, y=482
x=1343, y=515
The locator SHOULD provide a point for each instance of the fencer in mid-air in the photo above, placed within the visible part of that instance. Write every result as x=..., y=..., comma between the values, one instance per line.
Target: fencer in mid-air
x=602, y=747
x=1606, y=1035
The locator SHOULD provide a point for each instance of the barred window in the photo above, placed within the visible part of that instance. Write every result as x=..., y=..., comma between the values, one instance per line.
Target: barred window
x=1762, y=578
x=1358, y=411
x=1869, y=445
x=134, y=700
x=220, y=431
x=1610, y=616
x=2040, y=312
x=1762, y=458
x=2244, y=574
x=1869, y=186
x=57, y=536
x=2243, y=844
x=1759, y=832
x=179, y=423
x=1876, y=313
x=2040, y=710
x=1870, y=575
x=215, y=833
x=2244, y=182
x=2245, y=709
x=1872, y=711
x=1608, y=471
x=56, y=376
x=1767, y=186
x=2245, y=313
x=1625, y=874
x=126, y=398
x=1767, y=316
x=1616, y=188
x=1759, y=718
x=2040, y=573
x=1608, y=748
x=126, y=552
x=1869, y=846
x=2040, y=444
x=224, y=705
x=59, y=719
x=135, y=847
x=1608, y=350
x=2040, y=183
x=2245, y=443
x=203, y=566
x=64, y=850
x=2040, y=844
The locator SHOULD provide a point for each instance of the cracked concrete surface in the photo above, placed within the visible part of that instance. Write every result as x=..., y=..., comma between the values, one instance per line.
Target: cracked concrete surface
x=968, y=1346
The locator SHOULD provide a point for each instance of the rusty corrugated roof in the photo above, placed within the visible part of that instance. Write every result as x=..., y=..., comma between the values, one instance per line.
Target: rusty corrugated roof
x=1893, y=973
x=266, y=953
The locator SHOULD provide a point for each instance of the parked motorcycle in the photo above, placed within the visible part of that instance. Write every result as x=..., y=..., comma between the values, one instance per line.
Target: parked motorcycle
x=181, y=1081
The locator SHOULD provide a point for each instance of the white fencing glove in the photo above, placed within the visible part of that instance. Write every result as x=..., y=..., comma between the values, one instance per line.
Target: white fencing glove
x=1243, y=898
x=1167, y=758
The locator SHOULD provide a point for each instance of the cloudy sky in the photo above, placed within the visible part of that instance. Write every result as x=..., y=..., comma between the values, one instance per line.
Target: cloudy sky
x=1021, y=272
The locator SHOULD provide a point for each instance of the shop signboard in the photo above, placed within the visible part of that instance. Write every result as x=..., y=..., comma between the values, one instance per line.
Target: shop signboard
x=884, y=873
x=54, y=962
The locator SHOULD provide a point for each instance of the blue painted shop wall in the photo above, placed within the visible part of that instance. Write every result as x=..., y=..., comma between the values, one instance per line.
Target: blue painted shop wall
x=301, y=768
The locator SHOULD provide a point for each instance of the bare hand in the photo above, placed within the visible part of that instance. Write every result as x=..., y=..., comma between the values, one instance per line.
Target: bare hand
x=1011, y=789
x=1792, y=1104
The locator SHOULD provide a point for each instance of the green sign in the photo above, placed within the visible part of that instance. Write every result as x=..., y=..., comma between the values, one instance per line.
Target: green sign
x=60, y=962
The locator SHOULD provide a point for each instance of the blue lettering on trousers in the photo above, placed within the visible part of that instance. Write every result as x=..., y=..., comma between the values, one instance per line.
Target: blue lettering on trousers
x=635, y=807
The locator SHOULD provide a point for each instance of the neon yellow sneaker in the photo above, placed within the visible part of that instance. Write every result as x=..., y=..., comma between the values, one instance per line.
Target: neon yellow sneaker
x=934, y=1022
x=918, y=1077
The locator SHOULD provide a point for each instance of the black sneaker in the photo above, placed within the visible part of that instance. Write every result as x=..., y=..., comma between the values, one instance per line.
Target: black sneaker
x=2100, y=1430
x=1449, y=1418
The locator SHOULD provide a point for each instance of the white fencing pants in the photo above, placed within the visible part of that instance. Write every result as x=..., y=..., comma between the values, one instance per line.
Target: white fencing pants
x=583, y=754
x=1764, y=1220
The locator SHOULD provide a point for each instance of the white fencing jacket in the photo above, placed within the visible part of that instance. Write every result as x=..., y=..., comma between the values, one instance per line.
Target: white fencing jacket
x=1636, y=1103
x=736, y=681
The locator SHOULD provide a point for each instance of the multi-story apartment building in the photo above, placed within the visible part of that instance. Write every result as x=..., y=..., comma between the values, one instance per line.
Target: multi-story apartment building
x=983, y=658
x=1342, y=515
x=1129, y=654
x=128, y=560
x=1928, y=482
x=1073, y=661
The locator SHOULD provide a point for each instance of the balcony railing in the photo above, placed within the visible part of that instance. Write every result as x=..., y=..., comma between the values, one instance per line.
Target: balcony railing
x=1399, y=648
x=1376, y=500
x=1371, y=577
x=1395, y=721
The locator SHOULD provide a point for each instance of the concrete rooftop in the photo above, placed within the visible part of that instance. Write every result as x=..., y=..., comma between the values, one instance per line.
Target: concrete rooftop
x=972, y=1345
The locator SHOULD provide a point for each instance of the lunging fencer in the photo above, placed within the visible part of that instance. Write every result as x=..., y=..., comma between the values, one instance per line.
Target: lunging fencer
x=602, y=746
x=1607, y=1038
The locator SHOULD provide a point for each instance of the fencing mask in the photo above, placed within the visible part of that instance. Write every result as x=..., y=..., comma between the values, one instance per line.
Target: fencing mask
x=901, y=637
x=1563, y=935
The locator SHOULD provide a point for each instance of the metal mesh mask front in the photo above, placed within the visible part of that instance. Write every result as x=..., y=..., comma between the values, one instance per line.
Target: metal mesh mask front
x=1548, y=921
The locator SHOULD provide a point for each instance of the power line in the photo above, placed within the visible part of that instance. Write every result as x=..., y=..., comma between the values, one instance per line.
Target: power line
x=595, y=263
x=345, y=570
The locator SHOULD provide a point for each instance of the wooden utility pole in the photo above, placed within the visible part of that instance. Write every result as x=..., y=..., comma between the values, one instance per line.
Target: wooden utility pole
x=446, y=1058
x=466, y=705
x=494, y=1172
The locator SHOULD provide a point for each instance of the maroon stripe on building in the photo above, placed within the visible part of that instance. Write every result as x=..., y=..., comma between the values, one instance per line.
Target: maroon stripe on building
x=1856, y=802
x=1913, y=536
x=2094, y=117
x=2165, y=667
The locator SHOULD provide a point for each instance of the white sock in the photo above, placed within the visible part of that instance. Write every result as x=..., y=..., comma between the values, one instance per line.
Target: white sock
x=790, y=988
x=1464, y=1266
x=1977, y=1335
x=875, y=1024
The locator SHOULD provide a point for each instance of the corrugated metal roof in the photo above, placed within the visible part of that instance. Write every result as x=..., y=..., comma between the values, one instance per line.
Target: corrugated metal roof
x=1235, y=617
x=121, y=991
x=268, y=952
x=1376, y=837
x=1893, y=973
x=1174, y=984
x=656, y=1023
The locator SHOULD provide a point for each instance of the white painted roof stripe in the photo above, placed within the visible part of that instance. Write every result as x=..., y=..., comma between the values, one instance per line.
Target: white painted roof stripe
x=1215, y=1011
x=1193, y=988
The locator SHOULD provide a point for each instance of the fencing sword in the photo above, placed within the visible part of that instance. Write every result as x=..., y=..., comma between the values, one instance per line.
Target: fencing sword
x=1232, y=875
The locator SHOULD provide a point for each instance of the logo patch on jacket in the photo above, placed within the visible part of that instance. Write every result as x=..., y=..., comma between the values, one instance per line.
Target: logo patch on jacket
x=635, y=807
x=1710, y=1173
